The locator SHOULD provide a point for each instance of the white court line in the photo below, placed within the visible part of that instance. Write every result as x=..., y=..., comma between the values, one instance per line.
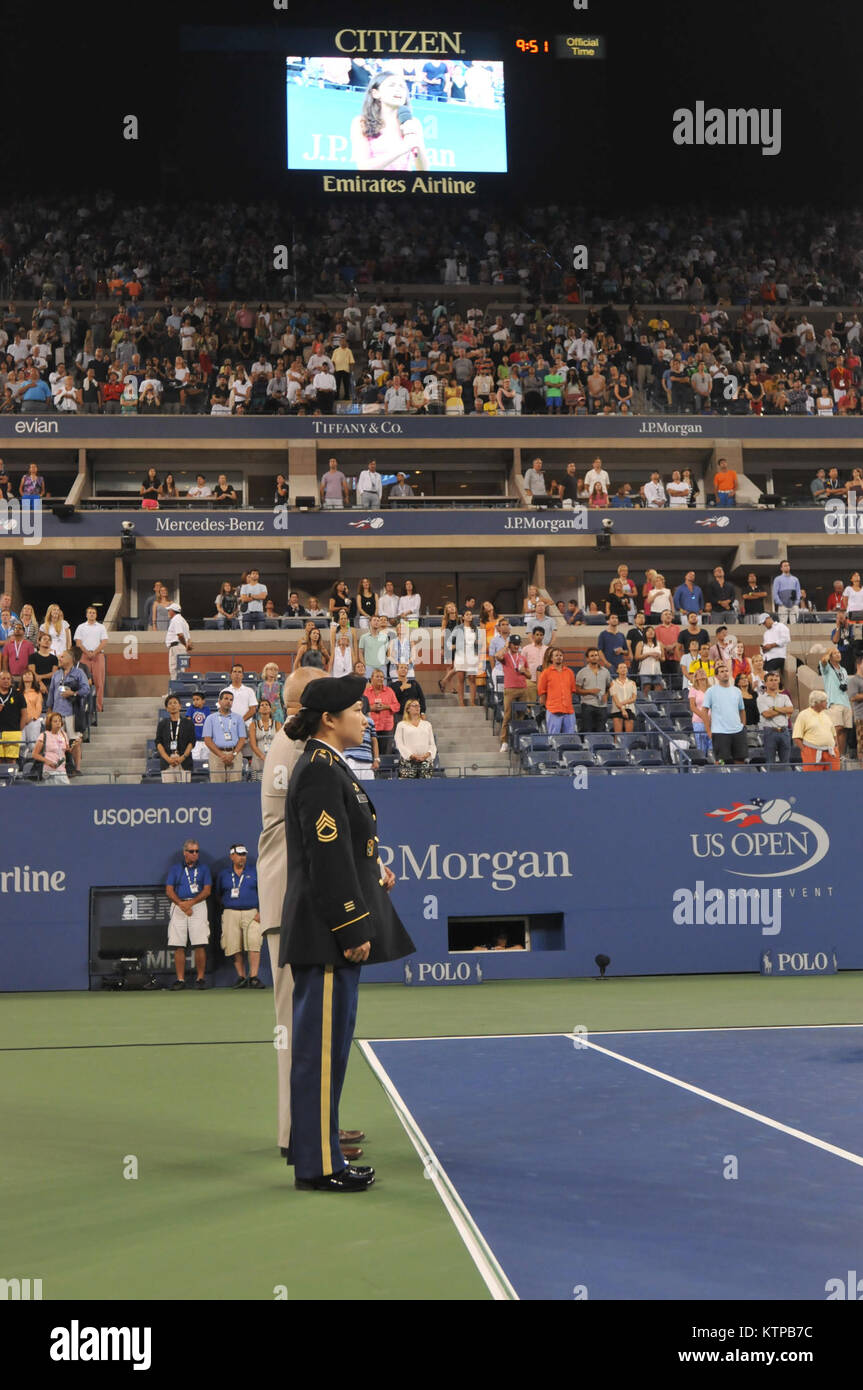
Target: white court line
x=728, y=1104
x=478, y=1248
x=622, y=1032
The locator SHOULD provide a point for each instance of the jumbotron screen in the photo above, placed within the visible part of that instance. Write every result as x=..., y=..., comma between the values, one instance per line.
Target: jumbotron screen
x=390, y=117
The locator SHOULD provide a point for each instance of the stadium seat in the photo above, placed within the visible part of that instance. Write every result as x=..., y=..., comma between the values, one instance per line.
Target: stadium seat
x=595, y=741
x=648, y=757
x=612, y=757
x=564, y=741
x=222, y=677
x=539, y=743
x=388, y=766
x=520, y=730
x=577, y=757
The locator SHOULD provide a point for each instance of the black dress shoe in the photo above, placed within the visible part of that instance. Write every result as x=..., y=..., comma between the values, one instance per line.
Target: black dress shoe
x=240, y=983
x=202, y=984
x=255, y=983
x=348, y=1180
x=179, y=984
x=351, y=1136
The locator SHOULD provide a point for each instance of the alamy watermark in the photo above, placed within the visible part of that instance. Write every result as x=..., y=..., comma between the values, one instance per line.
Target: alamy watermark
x=709, y=125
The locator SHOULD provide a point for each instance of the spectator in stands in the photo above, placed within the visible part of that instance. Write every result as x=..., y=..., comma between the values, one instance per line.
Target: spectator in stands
x=555, y=688
x=697, y=691
x=224, y=493
x=270, y=688
x=17, y=653
x=415, y=743
x=814, y=733
x=367, y=604
x=724, y=647
x=401, y=488
x=543, y=619
x=649, y=655
x=262, y=729
x=855, y=696
x=678, y=491
x=612, y=643
x=13, y=717
x=719, y=595
x=467, y=656
x=406, y=687
x=312, y=651
x=388, y=602
x=293, y=608
x=658, y=600
x=775, y=710
x=198, y=713
x=55, y=625
x=725, y=485
x=334, y=488
x=593, y=682
x=786, y=594
x=175, y=741
x=177, y=638
x=383, y=708
x=722, y=712
x=369, y=486
x=654, y=492
x=835, y=680
x=752, y=600
x=44, y=662
x=372, y=646
x=50, y=750
x=818, y=487
x=402, y=647
x=92, y=637
x=623, y=695
x=409, y=605
x=227, y=605
x=200, y=488
x=160, y=613
x=36, y=394
x=688, y=597
x=31, y=625
x=617, y=602
x=836, y=600
x=514, y=681
x=529, y=605
x=224, y=734
x=534, y=482
x=252, y=597
x=573, y=613
x=534, y=656
x=751, y=713
x=68, y=690
x=853, y=596
x=150, y=486
x=245, y=700
x=595, y=474
x=343, y=651
x=667, y=635
x=188, y=886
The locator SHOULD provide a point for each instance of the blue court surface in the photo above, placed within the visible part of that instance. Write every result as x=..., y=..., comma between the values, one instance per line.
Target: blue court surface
x=603, y=1166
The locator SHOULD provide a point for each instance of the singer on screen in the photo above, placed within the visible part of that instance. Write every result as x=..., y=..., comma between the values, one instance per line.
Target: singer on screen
x=385, y=135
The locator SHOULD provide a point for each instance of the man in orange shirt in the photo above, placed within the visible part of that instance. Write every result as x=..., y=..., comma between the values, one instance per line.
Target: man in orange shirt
x=725, y=485
x=556, y=687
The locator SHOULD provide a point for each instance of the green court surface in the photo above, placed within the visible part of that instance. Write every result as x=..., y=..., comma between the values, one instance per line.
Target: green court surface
x=185, y=1084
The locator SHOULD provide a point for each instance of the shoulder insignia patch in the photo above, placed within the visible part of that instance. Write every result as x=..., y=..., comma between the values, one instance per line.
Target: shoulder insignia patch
x=324, y=755
x=326, y=827
x=350, y=907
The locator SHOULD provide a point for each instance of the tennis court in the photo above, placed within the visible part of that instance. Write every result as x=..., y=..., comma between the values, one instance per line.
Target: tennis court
x=532, y=1139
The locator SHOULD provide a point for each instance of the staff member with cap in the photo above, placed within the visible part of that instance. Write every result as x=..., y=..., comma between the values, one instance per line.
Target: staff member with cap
x=177, y=638
x=337, y=915
x=188, y=886
x=241, y=918
x=282, y=758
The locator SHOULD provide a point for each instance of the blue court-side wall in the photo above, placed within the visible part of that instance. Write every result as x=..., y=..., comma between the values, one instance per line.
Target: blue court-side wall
x=609, y=856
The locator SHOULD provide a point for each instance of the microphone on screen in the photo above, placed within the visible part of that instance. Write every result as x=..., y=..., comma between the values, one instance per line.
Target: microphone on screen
x=404, y=115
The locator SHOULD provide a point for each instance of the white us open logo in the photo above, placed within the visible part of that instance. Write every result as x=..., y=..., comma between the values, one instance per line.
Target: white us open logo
x=785, y=832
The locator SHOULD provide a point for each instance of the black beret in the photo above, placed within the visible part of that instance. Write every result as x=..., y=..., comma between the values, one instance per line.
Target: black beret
x=331, y=695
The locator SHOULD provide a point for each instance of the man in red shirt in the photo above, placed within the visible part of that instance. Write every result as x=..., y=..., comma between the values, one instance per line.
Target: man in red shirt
x=556, y=686
x=840, y=379
x=837, y=599
x=514, y=681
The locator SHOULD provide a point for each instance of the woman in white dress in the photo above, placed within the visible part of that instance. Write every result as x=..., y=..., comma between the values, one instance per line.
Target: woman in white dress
x=409, y=604
x=57, y=629
x=648, y=654
x=343, y=654
x=466, y=663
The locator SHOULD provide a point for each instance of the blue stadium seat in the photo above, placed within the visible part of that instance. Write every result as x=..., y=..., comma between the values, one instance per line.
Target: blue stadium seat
x=388, y=766
x=612, y=757
x=518, y=731
x=577, y=757
x=648, y=757
x=562, y=741
x=595, y=741
x=223, y=677
x=539, y=743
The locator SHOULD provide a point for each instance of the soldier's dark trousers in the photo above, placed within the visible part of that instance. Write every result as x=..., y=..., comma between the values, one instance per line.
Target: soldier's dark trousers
x=324, y=1014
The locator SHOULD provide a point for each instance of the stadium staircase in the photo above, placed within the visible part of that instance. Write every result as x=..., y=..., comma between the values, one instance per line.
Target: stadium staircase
x=464, y=737
x=118, y=743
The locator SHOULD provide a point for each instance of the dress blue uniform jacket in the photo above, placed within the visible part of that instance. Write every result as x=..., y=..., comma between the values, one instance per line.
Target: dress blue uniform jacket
x=335, y=898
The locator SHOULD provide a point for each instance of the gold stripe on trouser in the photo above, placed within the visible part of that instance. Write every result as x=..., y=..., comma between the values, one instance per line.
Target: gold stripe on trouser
x=283, y=998
x=326, y=1068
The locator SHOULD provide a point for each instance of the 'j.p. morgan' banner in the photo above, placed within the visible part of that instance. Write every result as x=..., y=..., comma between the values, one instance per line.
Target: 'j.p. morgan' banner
x=380, y=429
x=751, y=863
